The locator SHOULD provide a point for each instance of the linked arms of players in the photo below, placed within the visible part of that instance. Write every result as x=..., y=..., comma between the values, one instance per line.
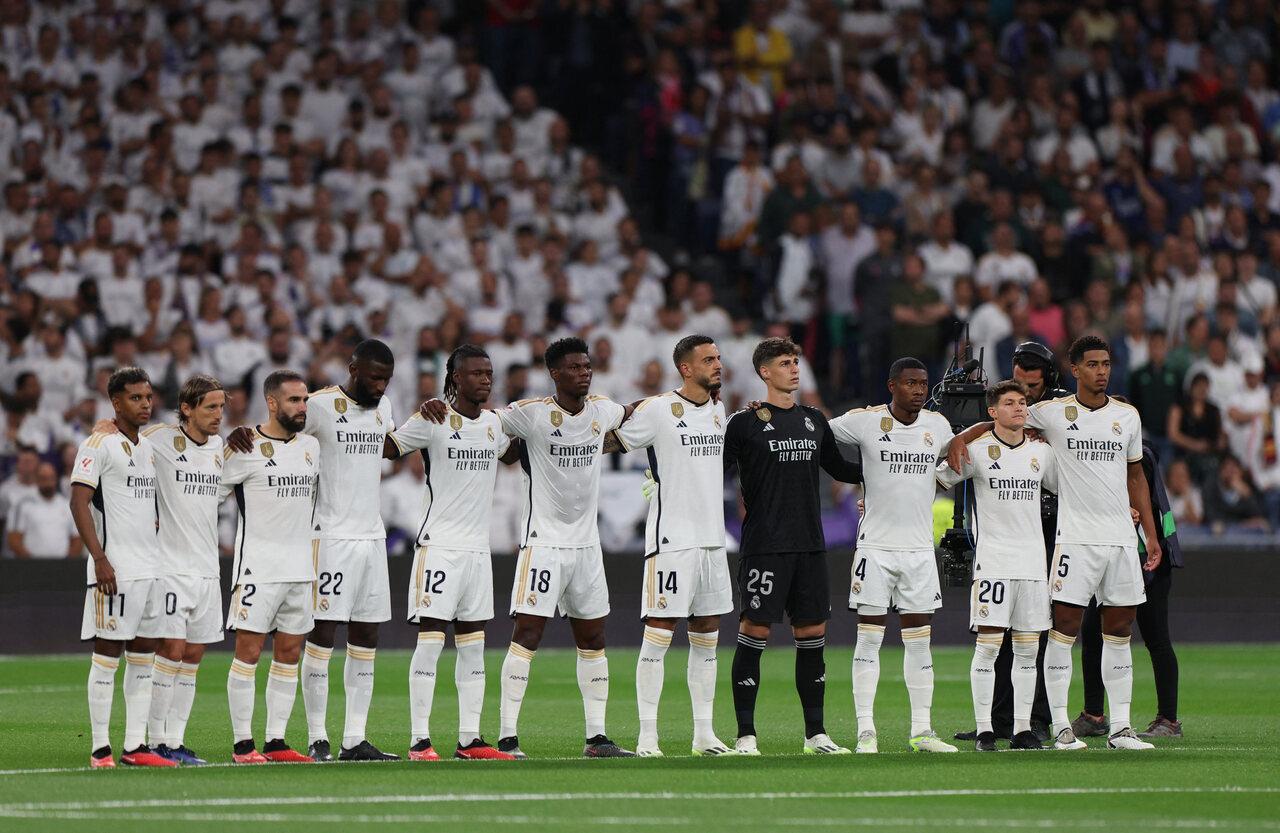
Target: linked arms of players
x=833, y=462
x=1140, y=499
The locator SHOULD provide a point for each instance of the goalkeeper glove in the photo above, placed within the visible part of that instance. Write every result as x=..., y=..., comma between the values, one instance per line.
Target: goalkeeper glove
x=649, y=486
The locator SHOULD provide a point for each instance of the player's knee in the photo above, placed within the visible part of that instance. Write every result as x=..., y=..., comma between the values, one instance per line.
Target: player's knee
x=703, y=624
x=108, y=647
x=362, y=634
x=192, y=654
x=142, y=645
x=172, y=650
x=809, y=630
x=322, y=634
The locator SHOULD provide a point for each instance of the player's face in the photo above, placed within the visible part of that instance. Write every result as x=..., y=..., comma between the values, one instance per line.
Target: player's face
x=371, y=380
x=910, y=390
x=133, y=404
x=1010, y=411
x=1093, y=372
x=206, y=417
x=782, y=374
x=474, y=378
x=1033, y=379
x=573, y=374
x=289, y=406
x=704, y=367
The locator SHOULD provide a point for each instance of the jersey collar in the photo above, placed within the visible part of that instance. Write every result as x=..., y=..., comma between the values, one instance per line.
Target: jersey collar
x=257, y=429
x=996, y=437
x=1104, y=404
x=189, y=437
x=691, y=402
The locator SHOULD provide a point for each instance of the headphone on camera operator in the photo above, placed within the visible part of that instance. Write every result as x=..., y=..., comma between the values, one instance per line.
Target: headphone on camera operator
x=1030, y=357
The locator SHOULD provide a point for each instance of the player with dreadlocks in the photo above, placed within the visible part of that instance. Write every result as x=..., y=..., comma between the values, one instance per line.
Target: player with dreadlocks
x=452, y=577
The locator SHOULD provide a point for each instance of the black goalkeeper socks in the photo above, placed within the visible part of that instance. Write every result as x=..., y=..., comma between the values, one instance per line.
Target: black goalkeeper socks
x=746, y=682
x=811, y=682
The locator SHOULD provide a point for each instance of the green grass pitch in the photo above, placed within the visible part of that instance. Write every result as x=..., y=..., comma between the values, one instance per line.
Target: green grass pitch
x=1223, y=775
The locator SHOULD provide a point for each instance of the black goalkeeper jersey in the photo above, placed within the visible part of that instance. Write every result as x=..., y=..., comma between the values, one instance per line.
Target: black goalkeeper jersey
x=778, y=453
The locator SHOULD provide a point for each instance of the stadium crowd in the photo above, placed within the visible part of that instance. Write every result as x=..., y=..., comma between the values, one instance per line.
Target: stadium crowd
x=241, y=186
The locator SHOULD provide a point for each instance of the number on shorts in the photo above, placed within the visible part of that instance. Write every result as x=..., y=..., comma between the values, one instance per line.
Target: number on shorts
x=170, y=603
x=861, y=570
x=334, y=579
x=111, y=604
x=540, y=580
x=760, y=581
x=1063, y=566
x=667, y=585
x=246, y=593
x=991, y=591
x=433, y=580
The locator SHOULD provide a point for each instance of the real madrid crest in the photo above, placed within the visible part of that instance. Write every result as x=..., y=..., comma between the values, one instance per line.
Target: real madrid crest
x=378, y=416
x=125, y=445
x=1115, y=428
x=557, y=418
x=983, y=612
x=677, y=410
x=928, y=439
x=764, y=414
x=324, y=604
x=808, y=423
x=993, y=451
x=716, y=418
x=1035, y=464
x=886, y=424
x=340, y=405
x=595, y=429
x=267, y=450
x=1071, y=413
x=490, y=433
x=179, y=444
x=307, y=454
x=455, y=422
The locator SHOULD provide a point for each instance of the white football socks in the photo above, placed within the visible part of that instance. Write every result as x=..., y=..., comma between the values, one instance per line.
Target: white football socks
x=982, y=677
x=866, y=675
x=282, y=690
x=422, y=683
x=468, y=676
x=515, y=681
x=702, y=684
x=137, y=698
x=240, y=695
x=102, y=690
x=1026, y=644
x=315, y=690
x=184, y=696
x=650, y=673
x=1117, y=679
x=164, y=679
x=593, y=682
x=917, y=671
x=357, y=680
x=1057, y=677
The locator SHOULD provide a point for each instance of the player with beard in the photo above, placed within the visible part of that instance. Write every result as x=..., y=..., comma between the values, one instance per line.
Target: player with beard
x=351, y=422
x=452, y=577
x=686, y=573
x=894, y=565
x=1098, y=441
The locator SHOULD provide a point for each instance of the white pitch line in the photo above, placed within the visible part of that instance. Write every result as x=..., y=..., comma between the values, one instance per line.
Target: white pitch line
x=42, y=689
x=471, y=798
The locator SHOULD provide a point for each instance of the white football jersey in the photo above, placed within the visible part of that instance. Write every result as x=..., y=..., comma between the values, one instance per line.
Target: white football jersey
x=188, y=477
x=461, y=457
x=898, y=467
x=1095, y=448
x=275, y=486
x=686, y=445
x=561, y=462
x=1006, y=485
x=122, y=475
x=351, y=439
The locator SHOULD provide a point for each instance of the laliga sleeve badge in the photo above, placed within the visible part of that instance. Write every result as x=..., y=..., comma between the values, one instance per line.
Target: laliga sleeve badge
x=1071, y=413
x=764, y=414
x=677, y=410
x=340, y=405
x=179, y=444
x=455, y=422
x=886, y=424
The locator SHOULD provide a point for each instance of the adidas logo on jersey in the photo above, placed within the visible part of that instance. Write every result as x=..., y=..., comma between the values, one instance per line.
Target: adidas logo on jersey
x=341, y=419
x=681, y=424
x=556, y=433
x=1073, y=427
x=182, y=458
x=131, y=465
x=271, y=463
x=768, y=426
x=455, y=436
x=885, y=439
x=995, y=467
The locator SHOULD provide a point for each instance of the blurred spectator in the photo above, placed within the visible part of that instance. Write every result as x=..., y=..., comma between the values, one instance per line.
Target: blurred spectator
x=1195, y=429
x=41, y=526
x=1229, y=498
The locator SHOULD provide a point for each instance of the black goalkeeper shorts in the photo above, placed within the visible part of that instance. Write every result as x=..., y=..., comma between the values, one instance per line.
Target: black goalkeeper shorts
x=796, y=583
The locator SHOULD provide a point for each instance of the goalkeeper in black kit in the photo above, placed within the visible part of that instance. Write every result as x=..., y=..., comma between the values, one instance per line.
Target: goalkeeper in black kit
x=778, y=448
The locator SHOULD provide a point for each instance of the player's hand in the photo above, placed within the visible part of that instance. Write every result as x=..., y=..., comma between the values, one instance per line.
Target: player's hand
x=1133, y=513
x=105, y=426
x=433, y=410
x=105, y=575
x=754, y=405
x=862, y=506
x=649, y=486
x=241, y=440
x=1153, y=556
x=957, y=456
x=1033, y=435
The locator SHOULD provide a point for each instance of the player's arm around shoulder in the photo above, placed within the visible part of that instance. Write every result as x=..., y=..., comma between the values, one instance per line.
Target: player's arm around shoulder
x=846, y=427
x=639, y=428
x=415, y=434
x=946, y=476
x=518, y=417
